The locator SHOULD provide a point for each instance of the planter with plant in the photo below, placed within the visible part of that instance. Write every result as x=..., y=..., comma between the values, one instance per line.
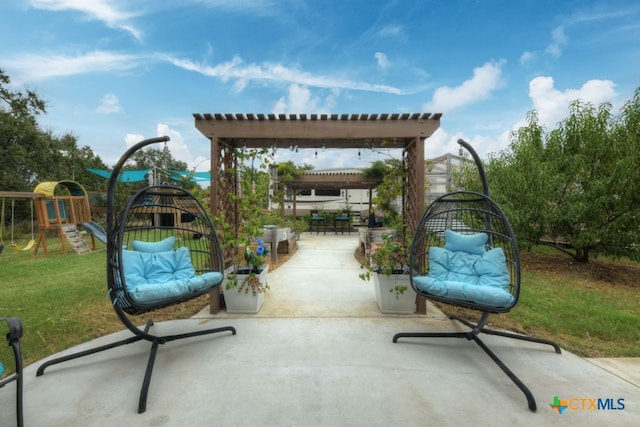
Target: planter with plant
x=246, y=279
x=388, y=265
x=245, y=285
x=300, y=225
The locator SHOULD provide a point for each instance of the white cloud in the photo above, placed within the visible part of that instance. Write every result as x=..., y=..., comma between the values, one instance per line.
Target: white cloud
x=132, y=139
x=176, y=145
x=527, y=57
x=109, y=104
x=390, y=31
x=299, y=100
x=108, y=11
x=552, y=105
x=442, y=142
x=235, y=69
x=555, y=47
x=383, y=61
x=485, y=80
x=558, y=42
x=32, y=67
x=200, y=164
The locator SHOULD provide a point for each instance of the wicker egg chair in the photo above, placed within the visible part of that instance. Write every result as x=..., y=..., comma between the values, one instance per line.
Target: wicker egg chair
x=465, y=254
x=162, y=250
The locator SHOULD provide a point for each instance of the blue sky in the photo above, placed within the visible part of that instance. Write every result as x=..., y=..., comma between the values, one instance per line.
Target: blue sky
x=117, y=71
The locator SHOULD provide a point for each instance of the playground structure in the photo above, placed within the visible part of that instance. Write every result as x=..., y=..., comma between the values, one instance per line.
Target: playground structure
x=61, y=206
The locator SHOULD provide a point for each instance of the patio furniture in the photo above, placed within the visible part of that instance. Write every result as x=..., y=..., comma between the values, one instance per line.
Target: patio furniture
x=317, y=220
x=464, y=254
x=145, y=269
x=344, y=220
x=13, y=339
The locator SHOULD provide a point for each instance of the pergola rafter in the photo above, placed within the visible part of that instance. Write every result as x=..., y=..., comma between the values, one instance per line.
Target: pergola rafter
x=227, y=132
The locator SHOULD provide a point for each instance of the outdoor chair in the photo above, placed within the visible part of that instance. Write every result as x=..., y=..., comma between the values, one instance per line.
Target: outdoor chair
x=464, y=254
x=344, y=220
x=13, y=339
x=162, y=250
x=317, y=220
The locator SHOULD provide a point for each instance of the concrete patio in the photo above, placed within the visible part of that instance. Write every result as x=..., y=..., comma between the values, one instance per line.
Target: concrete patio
x=320, y=353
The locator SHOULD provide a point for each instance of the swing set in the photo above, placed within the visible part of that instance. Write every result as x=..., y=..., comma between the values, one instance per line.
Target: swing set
x=13, y=196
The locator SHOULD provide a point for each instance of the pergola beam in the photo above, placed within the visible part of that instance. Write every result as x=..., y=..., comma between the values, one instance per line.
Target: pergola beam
x=406, y=131
x=316, y=131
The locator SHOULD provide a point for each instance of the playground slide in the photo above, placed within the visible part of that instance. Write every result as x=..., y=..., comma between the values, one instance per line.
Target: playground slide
x=95, y=229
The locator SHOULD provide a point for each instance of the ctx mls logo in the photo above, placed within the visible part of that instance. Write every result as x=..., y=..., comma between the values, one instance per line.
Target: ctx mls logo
x=587, y=404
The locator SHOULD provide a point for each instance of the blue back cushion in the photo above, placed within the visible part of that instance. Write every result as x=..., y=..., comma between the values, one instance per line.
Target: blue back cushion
x=470, y=243
x=154, y=247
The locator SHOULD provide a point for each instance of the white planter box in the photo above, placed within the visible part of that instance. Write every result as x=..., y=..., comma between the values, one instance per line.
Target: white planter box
x=384, y=286
x=243, y=302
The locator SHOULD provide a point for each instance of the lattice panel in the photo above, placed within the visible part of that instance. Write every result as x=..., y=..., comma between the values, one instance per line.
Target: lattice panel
x=414, y=187
x=223, y=190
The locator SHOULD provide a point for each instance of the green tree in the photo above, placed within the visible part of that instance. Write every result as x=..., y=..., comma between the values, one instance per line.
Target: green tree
x=31, y=155
x=287, y=172
x=389, y=193
x=574, y=188
x=158, y=159
x=22, y=144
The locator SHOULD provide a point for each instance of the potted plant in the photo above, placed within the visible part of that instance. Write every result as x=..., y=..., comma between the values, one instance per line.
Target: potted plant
x=300, y=225
x=388, y=265
x=245, y=285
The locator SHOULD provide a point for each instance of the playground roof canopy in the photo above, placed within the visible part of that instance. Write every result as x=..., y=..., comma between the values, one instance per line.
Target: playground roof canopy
x=48, y=188
x=141, y=175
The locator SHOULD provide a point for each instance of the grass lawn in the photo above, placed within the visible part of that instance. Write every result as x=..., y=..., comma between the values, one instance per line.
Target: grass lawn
x=62, y=300
x=592, y=310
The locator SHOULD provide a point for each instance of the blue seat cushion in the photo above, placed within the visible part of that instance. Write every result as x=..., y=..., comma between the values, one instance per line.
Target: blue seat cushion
x=153, y=247
x=155, y=276
x=459, y=275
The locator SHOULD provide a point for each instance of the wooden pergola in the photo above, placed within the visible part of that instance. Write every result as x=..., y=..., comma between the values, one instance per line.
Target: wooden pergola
x=406, y=131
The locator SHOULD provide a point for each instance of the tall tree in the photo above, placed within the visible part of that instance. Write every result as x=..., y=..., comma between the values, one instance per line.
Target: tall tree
x=22, y=145
x=388, y=196
x=574, y=187
x=31, y=155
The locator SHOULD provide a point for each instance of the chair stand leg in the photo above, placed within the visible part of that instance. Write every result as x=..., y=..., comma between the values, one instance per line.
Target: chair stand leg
x=142, y=403
x=487, y=331
x=45, y=365
x=156, y=341
x=473, y=335
x=527, y=393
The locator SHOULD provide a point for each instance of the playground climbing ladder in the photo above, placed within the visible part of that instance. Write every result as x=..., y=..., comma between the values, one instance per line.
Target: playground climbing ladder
x=76, y=238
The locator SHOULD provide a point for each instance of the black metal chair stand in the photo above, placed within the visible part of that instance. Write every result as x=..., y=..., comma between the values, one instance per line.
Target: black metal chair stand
x=473, y=334
x=458, y=228
x=13, y=339
x=140, y=241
